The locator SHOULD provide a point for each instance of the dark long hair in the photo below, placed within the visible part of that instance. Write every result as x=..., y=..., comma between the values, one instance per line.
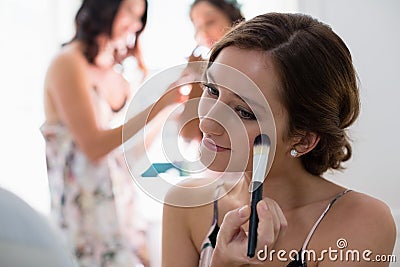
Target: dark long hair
x=96, y=17
x=318, y=87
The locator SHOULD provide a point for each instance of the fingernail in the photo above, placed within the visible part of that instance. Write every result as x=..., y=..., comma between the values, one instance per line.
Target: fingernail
x=243, y=211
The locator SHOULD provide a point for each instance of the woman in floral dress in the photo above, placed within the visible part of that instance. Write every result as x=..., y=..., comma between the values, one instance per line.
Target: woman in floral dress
x=92, y=193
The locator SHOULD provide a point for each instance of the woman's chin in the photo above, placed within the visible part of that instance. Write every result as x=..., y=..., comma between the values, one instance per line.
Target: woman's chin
x=222, y=161
x=223, y=165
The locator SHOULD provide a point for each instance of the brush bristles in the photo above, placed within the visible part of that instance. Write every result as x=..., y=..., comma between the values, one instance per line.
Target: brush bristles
x=261, y=144
x=260, y=157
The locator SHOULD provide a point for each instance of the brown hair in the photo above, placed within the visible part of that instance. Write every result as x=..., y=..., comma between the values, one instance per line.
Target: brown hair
x=318, y=80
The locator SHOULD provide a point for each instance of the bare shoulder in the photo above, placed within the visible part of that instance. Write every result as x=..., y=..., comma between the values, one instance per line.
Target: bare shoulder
x=364, y=222
x=69, y=55
x=190, y=203
x=68, y=61
x=367, y=213
x=192, y=192
x=197, y=192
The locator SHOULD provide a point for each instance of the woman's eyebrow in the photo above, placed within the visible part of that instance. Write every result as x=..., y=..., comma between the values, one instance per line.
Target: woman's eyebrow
x=208, y=77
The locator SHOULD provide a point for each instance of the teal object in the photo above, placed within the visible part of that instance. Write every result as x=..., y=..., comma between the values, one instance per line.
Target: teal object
x=163, y=167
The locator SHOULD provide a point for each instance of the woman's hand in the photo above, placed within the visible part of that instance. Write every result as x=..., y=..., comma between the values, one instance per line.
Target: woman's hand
x=231, y=247
x=171, y=97
x=174, y=93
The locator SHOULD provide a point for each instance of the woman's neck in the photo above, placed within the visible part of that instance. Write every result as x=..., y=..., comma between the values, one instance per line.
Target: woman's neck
x=291, y=189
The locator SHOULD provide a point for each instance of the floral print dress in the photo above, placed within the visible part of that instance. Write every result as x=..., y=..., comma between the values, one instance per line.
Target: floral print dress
x=93, y=203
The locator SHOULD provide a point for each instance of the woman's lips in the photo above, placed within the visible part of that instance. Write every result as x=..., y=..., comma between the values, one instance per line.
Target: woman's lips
x=210, y=144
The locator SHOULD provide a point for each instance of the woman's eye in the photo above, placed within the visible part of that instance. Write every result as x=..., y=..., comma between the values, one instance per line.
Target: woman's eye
x=245, y=114
x=211, y=90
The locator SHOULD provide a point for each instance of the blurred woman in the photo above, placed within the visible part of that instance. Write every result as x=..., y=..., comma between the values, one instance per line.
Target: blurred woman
x=211, y=20
x=92, y=194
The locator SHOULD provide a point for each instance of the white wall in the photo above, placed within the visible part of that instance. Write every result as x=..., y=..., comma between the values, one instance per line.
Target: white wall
x=370, y=29
x=31, y=32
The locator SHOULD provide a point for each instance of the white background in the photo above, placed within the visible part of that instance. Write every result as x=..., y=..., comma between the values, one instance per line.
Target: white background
x=32, y=31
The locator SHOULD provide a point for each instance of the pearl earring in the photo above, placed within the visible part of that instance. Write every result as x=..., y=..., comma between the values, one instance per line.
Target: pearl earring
x=294, y=153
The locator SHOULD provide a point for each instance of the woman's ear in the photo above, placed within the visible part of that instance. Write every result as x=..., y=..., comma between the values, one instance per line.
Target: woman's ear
x=305, y=143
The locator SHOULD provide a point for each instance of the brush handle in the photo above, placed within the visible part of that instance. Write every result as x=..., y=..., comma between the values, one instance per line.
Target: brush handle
x=256, y=196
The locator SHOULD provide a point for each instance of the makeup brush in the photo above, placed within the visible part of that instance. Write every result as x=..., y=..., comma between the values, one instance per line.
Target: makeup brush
x=260, y=158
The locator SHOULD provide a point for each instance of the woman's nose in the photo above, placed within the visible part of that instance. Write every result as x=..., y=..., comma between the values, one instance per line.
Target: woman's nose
x=211, y=126
x=213, y=114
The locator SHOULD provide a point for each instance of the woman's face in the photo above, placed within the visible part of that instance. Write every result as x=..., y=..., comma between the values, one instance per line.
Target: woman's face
x=239, y=102
x=127, y=21
x=209, y=22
